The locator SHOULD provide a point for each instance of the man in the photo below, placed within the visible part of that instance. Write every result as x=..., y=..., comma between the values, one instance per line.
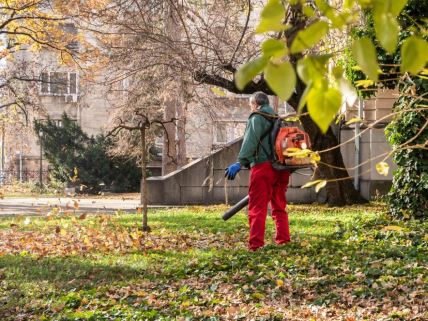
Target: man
x=266, y=184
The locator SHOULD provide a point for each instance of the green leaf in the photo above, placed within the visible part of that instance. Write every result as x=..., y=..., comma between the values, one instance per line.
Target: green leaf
x=281, y=79
x=365, y=3
x=387, y=28
x=365, y=53
x=273, y=11
x=393, y=7
x=312, y=67
x=272, y=17
x=249, y=70
x=396, y=6
x=323, y=105
x=414, y=54
x=274, y=48
x=308, y=11
x=348, y=4
x=309, y=37
x=304, y=97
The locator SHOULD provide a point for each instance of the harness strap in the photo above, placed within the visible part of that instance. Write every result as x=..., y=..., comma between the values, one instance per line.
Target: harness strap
x=270, y=118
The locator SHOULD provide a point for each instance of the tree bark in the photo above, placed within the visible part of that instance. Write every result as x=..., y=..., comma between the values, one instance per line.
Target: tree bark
x=143, y=195
x=341, y=191
x=169, y=151
x=181, y=127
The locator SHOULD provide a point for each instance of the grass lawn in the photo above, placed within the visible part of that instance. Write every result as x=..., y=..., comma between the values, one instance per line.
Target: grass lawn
x=343, y=264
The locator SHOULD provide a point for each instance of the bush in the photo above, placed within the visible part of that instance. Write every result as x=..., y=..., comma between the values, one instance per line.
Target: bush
x=408, y=196
x=82, y=161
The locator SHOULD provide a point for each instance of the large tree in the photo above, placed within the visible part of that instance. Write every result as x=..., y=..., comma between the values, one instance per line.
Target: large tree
x=210, y=40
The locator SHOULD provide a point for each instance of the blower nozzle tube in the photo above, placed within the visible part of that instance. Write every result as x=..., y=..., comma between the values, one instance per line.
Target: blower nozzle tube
x=236, y=208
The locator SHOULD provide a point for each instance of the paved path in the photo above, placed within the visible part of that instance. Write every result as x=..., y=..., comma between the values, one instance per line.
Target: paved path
x=32, y=205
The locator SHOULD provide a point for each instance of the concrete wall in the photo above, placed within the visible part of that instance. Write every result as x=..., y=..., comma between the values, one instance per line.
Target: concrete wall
x=202, y=182
x=373, y=149
x=373, y=145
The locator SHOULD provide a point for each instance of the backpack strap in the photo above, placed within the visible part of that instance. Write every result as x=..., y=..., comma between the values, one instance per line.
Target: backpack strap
x=270, y=118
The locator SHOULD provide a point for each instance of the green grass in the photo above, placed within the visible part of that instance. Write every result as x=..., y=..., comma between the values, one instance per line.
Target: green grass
x=342, y=264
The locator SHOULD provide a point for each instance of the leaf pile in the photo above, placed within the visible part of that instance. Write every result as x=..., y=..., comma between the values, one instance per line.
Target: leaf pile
x=104, y=234
x=342, y=265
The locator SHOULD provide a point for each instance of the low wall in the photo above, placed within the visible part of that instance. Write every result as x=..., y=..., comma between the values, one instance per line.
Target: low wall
x=202, y=182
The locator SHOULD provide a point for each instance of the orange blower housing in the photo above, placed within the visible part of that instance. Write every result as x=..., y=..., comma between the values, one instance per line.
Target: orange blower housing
x=291, y=137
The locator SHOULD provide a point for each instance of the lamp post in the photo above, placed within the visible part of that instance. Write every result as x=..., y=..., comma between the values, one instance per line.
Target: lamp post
x=41, y=160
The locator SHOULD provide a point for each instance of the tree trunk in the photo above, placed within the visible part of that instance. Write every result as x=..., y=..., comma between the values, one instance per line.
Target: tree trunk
x=342, y=191
x=181, y=127
x=143, y=189
x=169, y=151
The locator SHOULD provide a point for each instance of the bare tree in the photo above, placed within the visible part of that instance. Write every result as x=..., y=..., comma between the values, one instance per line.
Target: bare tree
x=137, y=120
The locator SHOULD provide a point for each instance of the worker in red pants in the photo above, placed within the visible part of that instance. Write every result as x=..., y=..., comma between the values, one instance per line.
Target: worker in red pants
x=266, y=183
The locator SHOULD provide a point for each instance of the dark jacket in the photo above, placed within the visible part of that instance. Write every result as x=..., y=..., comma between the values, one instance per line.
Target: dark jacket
x=251, y=153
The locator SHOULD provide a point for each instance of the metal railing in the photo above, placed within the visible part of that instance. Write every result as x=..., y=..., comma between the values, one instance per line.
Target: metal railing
x=10, y=177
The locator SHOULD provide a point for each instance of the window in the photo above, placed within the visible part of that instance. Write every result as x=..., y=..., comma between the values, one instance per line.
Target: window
x=59, y=83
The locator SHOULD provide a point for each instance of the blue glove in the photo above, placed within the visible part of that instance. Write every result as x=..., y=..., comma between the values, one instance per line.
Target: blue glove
x=232, y=170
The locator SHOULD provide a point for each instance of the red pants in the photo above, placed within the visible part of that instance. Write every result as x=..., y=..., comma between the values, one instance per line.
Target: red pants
x=267, y=185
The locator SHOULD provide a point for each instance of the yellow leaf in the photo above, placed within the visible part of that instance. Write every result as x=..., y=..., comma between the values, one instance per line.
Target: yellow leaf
x=141, y=293
x=311, y=183
x=76, y=205
x=392, y=228
x=382, y=168
x=320, y=185
x=315, y=158
x=354, y=120
x=424, y=72
x=297, y=152
x=86, y=241
x=364, y=83
x=219, y=92
x=279, y=282
x=304, y=243
x=185, y=304
x=357, y=68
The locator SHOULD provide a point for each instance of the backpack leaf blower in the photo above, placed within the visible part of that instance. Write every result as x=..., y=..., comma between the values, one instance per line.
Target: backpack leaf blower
x=289, y=146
